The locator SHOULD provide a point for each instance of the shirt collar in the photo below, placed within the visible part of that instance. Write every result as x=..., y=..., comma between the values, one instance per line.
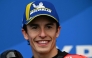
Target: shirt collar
x=60, y=54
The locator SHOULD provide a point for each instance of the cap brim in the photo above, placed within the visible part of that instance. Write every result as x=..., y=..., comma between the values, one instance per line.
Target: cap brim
x=30, y=19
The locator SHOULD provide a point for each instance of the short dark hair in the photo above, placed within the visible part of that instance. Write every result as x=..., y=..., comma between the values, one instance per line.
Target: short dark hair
x=51, y=19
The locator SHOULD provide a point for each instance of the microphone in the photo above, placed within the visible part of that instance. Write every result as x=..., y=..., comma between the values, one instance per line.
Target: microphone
x=11, y=54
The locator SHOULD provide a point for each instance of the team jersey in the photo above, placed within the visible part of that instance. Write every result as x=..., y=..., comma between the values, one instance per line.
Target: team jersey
x=64, y=54
x=67, y=55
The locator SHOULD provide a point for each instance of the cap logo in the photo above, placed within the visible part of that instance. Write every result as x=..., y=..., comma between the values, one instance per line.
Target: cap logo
x=39, y=7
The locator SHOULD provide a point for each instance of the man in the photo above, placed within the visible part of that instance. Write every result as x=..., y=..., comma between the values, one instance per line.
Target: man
x=41, y=28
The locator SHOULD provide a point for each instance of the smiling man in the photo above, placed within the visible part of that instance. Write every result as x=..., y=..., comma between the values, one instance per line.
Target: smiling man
x=41, y=28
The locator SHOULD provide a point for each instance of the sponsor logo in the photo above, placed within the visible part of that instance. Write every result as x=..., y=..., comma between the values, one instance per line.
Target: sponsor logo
x=39, y=7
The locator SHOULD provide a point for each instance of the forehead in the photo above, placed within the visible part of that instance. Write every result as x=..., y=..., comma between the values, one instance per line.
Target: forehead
x=43, y=19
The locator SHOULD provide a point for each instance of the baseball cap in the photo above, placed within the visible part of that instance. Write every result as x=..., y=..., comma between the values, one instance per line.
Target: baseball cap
x=38, y=8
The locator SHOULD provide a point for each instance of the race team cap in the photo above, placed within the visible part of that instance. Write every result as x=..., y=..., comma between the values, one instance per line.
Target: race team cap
x=38, y=8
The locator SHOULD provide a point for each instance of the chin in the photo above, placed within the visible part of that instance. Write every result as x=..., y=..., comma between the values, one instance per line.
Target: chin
x=43, y=50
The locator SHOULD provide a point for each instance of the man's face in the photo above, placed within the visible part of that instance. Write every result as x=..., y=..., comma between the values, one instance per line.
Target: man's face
x=42, y=34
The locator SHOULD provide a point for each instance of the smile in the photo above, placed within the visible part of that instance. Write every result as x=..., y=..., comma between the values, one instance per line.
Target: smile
x=43, y=42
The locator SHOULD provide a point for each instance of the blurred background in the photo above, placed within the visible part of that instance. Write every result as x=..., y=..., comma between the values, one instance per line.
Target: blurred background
x=75, y=20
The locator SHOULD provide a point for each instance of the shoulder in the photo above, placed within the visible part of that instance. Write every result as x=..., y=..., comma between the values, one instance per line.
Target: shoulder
x=74, y=56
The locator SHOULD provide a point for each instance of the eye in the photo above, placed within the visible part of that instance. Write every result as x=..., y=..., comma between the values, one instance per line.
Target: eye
x=49, y=27
x=34, y=27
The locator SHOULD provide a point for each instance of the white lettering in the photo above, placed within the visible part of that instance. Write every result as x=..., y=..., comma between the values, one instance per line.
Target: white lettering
x=85, y=50
x=80, y=49
x=40, y=9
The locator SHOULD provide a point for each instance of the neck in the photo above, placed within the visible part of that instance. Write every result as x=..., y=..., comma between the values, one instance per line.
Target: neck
x=50, y=54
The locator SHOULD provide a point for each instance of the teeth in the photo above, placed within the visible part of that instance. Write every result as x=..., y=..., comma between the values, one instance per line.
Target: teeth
x=42, y=42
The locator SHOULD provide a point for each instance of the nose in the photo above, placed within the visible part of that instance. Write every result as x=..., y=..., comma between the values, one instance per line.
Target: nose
x=42, y=34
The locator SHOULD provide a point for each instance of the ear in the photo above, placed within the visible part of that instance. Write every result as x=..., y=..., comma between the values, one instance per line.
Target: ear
x=25, y=34
x=58, y=31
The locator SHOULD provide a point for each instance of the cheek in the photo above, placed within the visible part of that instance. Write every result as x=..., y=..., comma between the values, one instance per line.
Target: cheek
x=31, y=37
x=51, y=33
x=32, y=34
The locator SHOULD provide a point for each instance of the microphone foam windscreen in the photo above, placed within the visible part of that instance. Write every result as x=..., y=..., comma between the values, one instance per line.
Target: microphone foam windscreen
x=11, y=54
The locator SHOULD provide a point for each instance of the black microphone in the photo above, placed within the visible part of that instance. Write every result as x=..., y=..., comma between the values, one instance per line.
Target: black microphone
x=11, y=54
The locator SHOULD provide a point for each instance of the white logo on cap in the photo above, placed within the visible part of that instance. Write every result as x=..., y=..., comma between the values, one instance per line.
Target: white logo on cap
x=39, y=6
